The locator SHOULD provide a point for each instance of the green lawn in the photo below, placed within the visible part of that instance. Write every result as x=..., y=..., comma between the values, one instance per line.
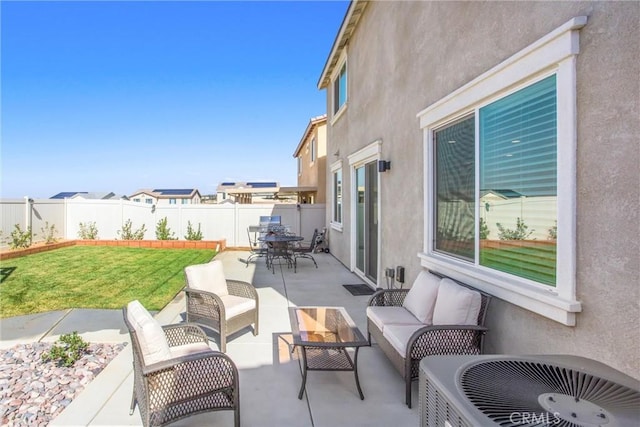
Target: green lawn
x=94, y=277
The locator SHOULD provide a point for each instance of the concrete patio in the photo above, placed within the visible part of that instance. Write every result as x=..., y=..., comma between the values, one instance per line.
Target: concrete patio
x=270, y=375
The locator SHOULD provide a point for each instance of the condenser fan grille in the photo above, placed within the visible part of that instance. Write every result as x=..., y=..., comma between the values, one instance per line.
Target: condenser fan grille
x=521, y=392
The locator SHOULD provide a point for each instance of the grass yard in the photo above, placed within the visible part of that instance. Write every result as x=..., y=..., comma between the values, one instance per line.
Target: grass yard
x=94, y=277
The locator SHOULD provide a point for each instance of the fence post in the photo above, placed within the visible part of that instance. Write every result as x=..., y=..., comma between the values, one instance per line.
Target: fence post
x=27, y=217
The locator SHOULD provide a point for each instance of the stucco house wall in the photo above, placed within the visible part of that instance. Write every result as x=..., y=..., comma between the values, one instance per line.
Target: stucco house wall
x=404, y=56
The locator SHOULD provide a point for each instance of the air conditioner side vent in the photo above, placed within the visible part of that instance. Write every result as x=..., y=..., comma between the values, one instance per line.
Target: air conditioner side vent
x=436, y=409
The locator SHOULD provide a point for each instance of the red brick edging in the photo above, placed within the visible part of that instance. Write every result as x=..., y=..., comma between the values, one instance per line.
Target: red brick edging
x=218, y=245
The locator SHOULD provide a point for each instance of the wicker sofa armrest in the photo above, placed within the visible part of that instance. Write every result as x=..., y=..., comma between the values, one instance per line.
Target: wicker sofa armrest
x=242, y=289
x=184, y=333
x=388, y=297
x=446, y=339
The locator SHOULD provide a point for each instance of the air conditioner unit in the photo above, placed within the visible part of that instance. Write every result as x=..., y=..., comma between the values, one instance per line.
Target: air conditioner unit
x=540, y=390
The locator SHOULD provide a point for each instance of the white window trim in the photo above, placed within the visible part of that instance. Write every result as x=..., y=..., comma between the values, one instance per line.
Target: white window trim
x=335, y=116
x=554, y=53
x=335, y=167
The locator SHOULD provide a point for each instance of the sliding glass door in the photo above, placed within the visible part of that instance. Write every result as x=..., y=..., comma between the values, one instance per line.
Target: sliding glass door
x=366, y=220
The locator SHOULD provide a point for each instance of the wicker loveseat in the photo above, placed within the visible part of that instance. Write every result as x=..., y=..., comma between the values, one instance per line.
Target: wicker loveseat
x=176, y=373
x=437, y=316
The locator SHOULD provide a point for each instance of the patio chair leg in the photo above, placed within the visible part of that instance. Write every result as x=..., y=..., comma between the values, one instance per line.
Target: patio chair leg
x=408, y=391
x=133, y=403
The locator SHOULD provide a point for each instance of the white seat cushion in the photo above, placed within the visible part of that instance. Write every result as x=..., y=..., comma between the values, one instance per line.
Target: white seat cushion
x=398, y=336
x=421, y=298
x=207, y=277
x=151, y=337
x=382, y=316
x=186, y=349
x=456, y=305
x=235, y=305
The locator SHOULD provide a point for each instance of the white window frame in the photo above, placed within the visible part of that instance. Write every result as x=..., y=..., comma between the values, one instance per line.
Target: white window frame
x=556, y=54
x=313, y=150
x=342, y=62
x=299, y=165
x=336, y=167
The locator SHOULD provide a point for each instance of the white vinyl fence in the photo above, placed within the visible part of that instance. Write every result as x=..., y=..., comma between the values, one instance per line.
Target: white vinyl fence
x=224, y=221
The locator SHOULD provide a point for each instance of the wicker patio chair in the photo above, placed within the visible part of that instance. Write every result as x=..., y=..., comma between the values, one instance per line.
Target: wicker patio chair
x=428, y=340
x=305, y=251
x=222, y=305
x=176, y=374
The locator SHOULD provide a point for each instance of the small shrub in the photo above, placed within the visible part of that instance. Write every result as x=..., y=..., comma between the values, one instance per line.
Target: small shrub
x=49, y=233
x=67, y=350
x=88, y=231
x=192, y=234
x=163, y=232
x=552, y=233
x=520, y=233
x=127, y=232
x=484, y=229
x=20, y=239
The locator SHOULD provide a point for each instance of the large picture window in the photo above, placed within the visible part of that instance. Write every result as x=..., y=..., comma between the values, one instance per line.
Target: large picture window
x=500, y=178
x=515, y=230
x=518, y=175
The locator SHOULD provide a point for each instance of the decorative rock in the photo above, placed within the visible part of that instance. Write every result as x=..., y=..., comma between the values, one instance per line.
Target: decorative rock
x=33, y=392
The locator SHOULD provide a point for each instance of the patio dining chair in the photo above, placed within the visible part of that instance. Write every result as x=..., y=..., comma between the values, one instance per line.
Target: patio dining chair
x=303, y=251
x=256, y=247
x=176, y=373
x=223, y=305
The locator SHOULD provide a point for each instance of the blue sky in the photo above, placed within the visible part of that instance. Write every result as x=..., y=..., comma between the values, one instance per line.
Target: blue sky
x=118, y=96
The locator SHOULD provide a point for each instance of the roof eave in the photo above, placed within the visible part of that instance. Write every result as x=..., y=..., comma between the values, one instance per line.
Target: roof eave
x=313, y=123
x=348, y=26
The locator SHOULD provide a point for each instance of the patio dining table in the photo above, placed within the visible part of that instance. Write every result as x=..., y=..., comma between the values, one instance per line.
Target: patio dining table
x=278, y=247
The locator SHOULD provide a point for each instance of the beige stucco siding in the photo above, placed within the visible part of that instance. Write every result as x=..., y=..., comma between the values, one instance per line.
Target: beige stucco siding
x=312, y=173
x=404, y=56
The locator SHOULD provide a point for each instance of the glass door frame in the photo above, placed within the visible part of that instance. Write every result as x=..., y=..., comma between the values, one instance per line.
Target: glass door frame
x=368, y=154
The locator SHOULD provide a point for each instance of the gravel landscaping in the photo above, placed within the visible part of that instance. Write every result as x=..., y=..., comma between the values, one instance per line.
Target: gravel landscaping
x=33, y=392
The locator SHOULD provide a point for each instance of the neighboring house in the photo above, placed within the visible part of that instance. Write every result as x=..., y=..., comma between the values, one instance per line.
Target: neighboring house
x=247, y=192
x=256, y=193
x=311, y=157
x=540, y=98
x=187, y=196
x=89, y=195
